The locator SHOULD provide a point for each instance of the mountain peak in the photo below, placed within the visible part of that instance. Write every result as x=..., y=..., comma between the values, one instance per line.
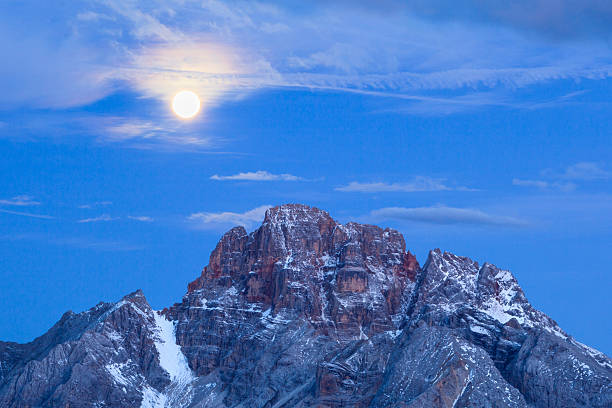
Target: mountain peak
x=295, y=213
x=300, y=261
x=136, y=295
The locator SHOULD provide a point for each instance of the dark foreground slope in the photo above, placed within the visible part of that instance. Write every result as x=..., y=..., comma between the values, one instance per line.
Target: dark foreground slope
x=306, y=312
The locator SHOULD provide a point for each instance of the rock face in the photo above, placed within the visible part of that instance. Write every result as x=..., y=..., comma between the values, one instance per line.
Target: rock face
x=307, y=312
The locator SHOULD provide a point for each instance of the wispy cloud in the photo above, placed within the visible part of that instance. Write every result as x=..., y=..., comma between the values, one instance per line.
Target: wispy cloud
x=74, y=242
x=586, y=171
x=100, y=218
x=545, y=185
x=530, y=183
x=24, y=214
x=107, y=217
x=20, y=201
x=419, y=184
x=150, y=134
x=568, y=179
x=96, y=204
x=86, y=243
x=559, y=19
x=446, y=215
x=161, y=133
x=235, y=47
x=209, y=220
x=447, y=105
x=260, y=175
x=141, y=218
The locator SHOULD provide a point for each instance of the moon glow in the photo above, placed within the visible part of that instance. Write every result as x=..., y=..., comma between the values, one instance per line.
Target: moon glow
x=186, y=104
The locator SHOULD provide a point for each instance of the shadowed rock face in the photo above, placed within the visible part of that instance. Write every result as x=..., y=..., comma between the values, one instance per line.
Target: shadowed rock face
x=307, y=312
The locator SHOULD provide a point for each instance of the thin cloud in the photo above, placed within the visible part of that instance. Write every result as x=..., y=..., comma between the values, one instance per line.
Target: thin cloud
x=559, y=19
x=209, y=220
x=74, y=242
x=148, y=134
x=586, y=171
x=440, y=106
x=20, y=201
x=24, y=214
x=545, y=185
x=419, y=184
x=444, y=215
x=113, y=43
x=96, y=204
x=567, y=179
x=101, y=218
x=163, y=133
x=85, y=243
x=141, y=218
x=260, y=175
x=530, y=183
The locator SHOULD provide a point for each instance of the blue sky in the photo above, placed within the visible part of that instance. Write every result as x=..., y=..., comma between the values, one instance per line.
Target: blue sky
x=480, y=129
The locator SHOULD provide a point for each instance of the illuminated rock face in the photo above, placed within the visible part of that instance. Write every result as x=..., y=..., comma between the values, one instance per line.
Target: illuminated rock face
x=307, y=312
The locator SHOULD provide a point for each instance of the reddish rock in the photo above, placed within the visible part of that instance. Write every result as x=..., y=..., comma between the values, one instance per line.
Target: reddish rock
x=352, y=280
x=411, y=266
x=347, y=281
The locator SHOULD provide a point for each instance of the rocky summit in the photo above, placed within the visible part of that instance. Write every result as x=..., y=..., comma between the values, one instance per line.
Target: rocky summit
x=307, y=312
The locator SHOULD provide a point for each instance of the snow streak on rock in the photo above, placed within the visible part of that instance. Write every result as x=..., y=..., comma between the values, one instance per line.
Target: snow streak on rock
x=171, y=357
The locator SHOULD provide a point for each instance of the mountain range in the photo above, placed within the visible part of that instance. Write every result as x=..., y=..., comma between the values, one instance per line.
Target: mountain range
x=307, y=312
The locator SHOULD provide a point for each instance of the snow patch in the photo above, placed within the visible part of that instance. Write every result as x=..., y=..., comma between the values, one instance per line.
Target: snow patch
x=599, y=357
x=394, y=333
x=113, y=335
x=479, y=329
x=178, y=393
x=288, y=260
x=500, y=312
x=328, y=261
x=152, y=398
x=119, y=305
x=171, y=358
x=504, y=276
x=116, y=371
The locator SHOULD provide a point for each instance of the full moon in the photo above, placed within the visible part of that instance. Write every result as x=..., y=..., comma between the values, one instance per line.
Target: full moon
x=186, y=104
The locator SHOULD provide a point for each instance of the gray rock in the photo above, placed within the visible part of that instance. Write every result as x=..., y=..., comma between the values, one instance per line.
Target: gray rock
x=436, y=367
